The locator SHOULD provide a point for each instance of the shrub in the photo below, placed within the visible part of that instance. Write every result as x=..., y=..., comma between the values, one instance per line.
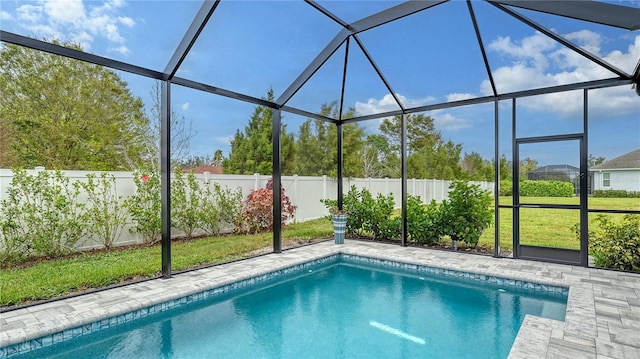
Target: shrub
x=423, y=222
x=366, y=216
x=615, y=244
x=369, y=216
x=467, y=213
x=257, y=210
x=506, y=188
x=220, y=207
x=616, y=193
x=186, y=203
x=145, y=206
x=107, y=215
x=41, y=216
x=530, y=188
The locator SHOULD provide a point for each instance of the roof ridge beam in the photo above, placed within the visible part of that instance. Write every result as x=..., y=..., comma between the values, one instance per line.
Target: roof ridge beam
x=313, y=67
x=392, y=14
x=562, y=40
x=328, y=13
x=619, y=16
x=482, y=49
x=190, y=37
x=380, y=74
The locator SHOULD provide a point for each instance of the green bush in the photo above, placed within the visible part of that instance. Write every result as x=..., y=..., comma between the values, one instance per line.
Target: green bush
x=615, y=244
x=144, y=206
x=107, y=215
x=220, y=208
x=506, y=188
x=423, y=222
x=467, y=213
x=368, y=217
x=187, y=199
x=530, y=188
x=616, y=193
x=41, y=216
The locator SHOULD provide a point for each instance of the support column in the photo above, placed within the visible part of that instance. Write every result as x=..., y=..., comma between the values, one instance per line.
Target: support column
x=165, y=176
x=403, y=146
x=340, y=166
x=277, y=183
x=496, y=180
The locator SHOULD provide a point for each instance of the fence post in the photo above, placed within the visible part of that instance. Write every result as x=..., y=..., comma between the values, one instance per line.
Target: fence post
x=424, y=196
x=256, y=184
x=207, y=176
x=324, y=186
x=386, y=185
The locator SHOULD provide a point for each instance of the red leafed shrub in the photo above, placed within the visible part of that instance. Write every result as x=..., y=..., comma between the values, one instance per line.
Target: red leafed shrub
x=257, y=210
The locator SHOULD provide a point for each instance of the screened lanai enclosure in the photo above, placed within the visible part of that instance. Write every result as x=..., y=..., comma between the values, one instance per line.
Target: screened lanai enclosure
x=505, y=86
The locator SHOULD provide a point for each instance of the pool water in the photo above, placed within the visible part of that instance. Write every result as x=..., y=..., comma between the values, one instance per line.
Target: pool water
x=341, y=310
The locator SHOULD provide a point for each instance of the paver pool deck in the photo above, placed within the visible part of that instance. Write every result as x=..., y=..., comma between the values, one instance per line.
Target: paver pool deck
x=602, y=320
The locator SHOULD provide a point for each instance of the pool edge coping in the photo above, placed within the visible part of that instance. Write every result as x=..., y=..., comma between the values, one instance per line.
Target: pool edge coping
x=576, y=317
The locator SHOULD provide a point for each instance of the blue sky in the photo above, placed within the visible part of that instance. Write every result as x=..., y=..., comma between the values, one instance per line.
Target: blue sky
x=430, y=57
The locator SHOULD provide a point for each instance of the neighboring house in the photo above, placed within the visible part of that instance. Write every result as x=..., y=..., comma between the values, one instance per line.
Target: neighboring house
x=214, y=170
x=620, y=173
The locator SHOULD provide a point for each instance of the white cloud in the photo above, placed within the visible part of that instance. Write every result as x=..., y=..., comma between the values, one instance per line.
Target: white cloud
x=120, y=49
x=29, y=13
x=537, y=61
x=68, y=12
x=5, y=16
x=185, y=106
x=127, y=21
x=388, y=103
x=77, y=20
x=447, y=121
x=459, y=96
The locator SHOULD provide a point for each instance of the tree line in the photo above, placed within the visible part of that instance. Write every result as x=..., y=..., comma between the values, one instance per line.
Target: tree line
x=312, y=150
x=67, y=114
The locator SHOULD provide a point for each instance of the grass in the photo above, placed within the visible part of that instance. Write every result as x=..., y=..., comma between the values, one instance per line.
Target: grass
x=550, y=227
x=54, y=278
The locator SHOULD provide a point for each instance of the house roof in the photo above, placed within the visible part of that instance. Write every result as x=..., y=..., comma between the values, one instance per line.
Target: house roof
x=555, y=168
x=214, y=170
x=629, y=160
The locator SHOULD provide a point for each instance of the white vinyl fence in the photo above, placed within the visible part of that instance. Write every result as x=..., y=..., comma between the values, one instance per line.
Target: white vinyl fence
x=305, y=192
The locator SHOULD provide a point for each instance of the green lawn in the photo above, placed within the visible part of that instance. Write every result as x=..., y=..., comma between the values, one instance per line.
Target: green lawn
x=50, y=279
x=550, y=227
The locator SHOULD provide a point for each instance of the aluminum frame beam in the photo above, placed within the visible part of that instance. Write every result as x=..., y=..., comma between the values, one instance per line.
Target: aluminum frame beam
x=190, y=37
x=562, y=40
x=44, y=46
x=481, y=45
x=380, y=74
x=624, y=17
x=393, y=13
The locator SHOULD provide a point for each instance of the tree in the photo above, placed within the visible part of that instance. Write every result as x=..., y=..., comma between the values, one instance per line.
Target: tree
x=594, y=161
x=476, y=168
x=66, y=114
x=378, y=159
x=316, y=146
x=527, y=165
x=181, y=134
x=218, y=157
x=428, y=154
x=252, y=150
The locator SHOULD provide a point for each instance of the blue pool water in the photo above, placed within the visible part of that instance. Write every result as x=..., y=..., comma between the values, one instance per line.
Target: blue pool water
x=339, y=310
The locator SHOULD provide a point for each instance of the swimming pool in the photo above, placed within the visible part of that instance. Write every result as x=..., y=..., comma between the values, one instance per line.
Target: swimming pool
x=342, y=306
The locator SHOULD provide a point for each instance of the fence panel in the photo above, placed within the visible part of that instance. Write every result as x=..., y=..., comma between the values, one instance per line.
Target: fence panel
x=305, y=192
